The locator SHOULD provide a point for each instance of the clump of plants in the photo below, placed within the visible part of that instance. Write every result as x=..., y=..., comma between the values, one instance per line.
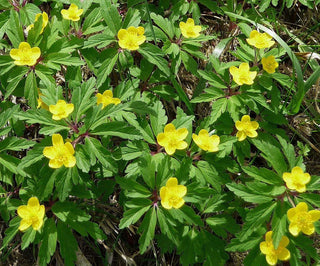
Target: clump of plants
x=95, y=116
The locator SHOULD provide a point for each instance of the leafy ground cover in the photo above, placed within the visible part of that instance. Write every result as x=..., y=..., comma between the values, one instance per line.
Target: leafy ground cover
x=159, y=132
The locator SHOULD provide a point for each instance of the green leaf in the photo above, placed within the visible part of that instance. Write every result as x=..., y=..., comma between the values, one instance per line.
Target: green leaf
x=279, y=223
x=107, y=66
x=111, y=16
x=28, y=238
x=34, y=155
x=64, y=182
x=129, y=184
x=186, y=213
x=69, y=211
x=247, y=194
x=91, y=20
x=132, y=18
x=83, y=159
x=15, y=144
x=11, y=163
x=132, y=216
x=221, y=224
x=166, y=226
x=256, y=219
x=63, y=59
x=189, y=63
x=271, y=152
x=213, y=79
x=160, y=119
x=14, y=29
x=182, y=94
x=7, y=113
x=31, y=90
x=307, y=246
x=147, y=228
x=236, y=245
x=68, y=244
x=11, y=232
x=263, y=174
x=117, y=128
x=147, y=168
x=45, y=184
x=312, y=198
x=155, y=56
x=81, y=98
x=211, y=175
x=164, y=24
x=49, y=242
x=288, y=151
x=102, y=154
x=218, y=108
x=41, y=116
x=15, y=76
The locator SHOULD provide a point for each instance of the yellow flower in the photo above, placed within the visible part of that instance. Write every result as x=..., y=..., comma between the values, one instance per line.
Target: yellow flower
x=41, y=104
x=246, y=128
x=272, y=254
x=107, y=98
x=243, y=75
x=269, y=64
x=171, y=195
x=31, y=214
x=45, y=20
x=25, y=55
x=61, y=110
x=172, y=139
x=60, y=153
x=131, y=38
x=302, y=220
x=297, y=179
x=73, y=13
x=189, y=30
x=260, y=40
x=206, y=142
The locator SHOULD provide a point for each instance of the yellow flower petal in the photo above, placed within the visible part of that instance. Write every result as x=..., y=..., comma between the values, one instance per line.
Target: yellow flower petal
x=169, y=128
x=308, y=229
x=23, y=212
x=50, y=152
x=170, y=149
x=314, y=215
x=69, y=147
x=70, y=161
x=284, y=254
x=172, y=182
x=182, y=133
x=272, y=259
x=55, y=163
x=162, y=139
x=178, y=203
x=24, y=224
x=284, y=241
x=57, y=140
x=241, y=135
x=264, y=248
x=294, y=228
